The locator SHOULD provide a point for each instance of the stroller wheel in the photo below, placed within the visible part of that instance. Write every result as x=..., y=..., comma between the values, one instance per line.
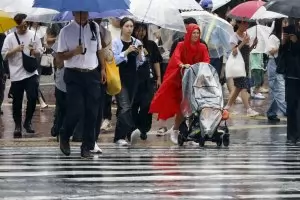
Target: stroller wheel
x=201, y=141
x=226, y=140
x=180, y=140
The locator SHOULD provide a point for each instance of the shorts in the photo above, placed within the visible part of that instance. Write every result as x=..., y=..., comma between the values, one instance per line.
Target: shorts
x=257, y=76
x=241, y=82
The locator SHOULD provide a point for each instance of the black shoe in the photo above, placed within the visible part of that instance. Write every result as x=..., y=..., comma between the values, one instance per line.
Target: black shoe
x=64, y=146
x=74, y=139
x=54, y=132
x=18, y=131
x=273, y=119
x=143, y=136
x=85, y=153
x=1, y=112
x=28, y=127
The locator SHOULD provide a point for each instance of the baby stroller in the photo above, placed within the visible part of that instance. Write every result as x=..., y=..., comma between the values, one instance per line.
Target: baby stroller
x=202, y=105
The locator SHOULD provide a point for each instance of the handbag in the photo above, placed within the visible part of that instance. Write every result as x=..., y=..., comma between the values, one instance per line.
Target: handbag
x=280, y=64
x=113, y=79
x=46, y=64
x=235, y=66
x=30, y=64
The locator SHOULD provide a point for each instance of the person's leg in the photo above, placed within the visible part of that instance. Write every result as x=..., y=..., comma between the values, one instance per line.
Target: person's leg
x=17, y=90
x=31, y=88
x=2, y=90
x=291, y=97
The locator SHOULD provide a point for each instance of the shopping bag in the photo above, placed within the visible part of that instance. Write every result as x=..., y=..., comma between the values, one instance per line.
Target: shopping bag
x=113, y=78
x=235, y=66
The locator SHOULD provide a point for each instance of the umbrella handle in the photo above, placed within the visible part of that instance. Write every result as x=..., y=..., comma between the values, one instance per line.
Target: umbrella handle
x=80, y=43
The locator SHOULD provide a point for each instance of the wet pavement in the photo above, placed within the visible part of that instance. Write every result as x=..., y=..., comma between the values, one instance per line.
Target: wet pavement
x=257, y=165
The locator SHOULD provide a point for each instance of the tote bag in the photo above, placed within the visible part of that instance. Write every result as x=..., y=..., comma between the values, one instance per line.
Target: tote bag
x=235, y=66
x=113, y=78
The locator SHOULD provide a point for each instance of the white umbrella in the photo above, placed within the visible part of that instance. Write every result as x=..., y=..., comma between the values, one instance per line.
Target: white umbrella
x=163, y=13
x=25, y=6
x=215, y=31
x=262, y=33
x=263, y=13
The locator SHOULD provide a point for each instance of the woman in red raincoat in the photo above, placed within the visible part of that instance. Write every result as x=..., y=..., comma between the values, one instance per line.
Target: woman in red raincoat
x=166, y=102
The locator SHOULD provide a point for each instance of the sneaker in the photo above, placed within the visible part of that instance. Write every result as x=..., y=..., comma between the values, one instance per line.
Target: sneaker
x=162, y=131
x=135, y=135
x=252, y=113
x=121, y=143
x=238, y=100
x=273, y=119
x=96, y=149
x=258, y=96
x=106, y=125
x=174, y=136
x=264, y=90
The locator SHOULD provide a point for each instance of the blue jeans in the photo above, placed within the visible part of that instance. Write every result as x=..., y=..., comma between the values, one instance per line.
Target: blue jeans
x=277, y=90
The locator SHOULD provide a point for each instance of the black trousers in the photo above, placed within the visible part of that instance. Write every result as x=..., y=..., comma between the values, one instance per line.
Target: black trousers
x=83, y=96
x=2, y=88
x=30, y=86
x=60, y=110
x=141, y=105
x=293, y=109
x=107, y=101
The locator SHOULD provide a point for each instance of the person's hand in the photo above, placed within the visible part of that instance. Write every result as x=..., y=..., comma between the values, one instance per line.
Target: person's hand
x=246, y=39
x=145, y=52
x=234, y=51
x=185, y=65
x=158, y=82
x=19, y=48
x=272, y=52
x=78, y=50
x=293, y=38
x=285, y=38
x=131, y=48
x=103, y=76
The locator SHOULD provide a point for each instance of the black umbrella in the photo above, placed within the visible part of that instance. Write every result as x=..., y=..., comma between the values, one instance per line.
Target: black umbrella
x=290, y=8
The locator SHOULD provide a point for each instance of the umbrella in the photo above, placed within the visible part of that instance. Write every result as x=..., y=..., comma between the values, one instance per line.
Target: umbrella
x=263, y=13
x=290, y=8
x=25, y=6
x=215, y=31
x=163, y=13
x=80, y=5
x=213, y=4
x=6, y=22
x=262, y=33
x=245, y=11
x=68, y=16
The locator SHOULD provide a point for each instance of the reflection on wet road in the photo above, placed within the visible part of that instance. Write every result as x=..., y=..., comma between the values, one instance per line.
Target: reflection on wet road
x=256, y=171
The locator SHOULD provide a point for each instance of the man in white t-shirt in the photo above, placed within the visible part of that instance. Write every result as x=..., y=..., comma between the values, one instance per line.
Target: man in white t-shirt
x=21, y=79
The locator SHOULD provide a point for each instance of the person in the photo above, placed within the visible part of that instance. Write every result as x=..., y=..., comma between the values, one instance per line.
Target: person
x=22, y=80
x=167, y=100
x=4, y=73
x=82, y=80
x=276, y=81
x=240, y=41
x=149, y=79
x=289, y=53
x=129, y=55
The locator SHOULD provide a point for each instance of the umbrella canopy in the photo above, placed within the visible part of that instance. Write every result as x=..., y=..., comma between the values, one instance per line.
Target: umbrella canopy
x=263, y=13
x=262, y=33
x=245, y=11
x=215, y=31
x=6, y=22
x=80, y=5
x=25, y=6
x=163, y=13
x=290, y=8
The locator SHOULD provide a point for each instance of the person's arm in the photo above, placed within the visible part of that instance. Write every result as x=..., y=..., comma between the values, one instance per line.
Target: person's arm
x=63, y=51
x=8, y=51
x=117, y=51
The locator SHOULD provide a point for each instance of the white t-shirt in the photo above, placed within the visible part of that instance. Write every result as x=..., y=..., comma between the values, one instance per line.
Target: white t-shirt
x=68, y=41
x=272, y=43
x=17, y=71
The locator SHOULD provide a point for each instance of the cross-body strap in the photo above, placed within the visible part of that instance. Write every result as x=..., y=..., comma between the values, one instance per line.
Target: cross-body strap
x=16, y=35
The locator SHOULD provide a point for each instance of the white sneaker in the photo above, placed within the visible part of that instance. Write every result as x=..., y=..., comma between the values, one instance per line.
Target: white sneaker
x=96, y=149
x=264, y=90
x=106, y=125
x=122, y=143
x=252, y=113
x=135, y=135
x=43, y=105
x=238, y=100
x=174, y=135
x=161, y=131
x=258, y=96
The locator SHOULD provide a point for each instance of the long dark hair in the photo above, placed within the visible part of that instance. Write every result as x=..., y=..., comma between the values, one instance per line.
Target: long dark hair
x=123, y=22
x=141, y=27
x=277, y=31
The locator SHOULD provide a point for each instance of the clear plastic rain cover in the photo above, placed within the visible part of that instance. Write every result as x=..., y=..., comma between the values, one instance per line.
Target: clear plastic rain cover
x=202, y=93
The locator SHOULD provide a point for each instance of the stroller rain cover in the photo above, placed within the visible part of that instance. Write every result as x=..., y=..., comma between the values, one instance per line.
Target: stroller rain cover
x=202, y=93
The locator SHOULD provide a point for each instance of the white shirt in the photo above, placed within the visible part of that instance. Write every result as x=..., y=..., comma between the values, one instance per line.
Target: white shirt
x=17, y=71
x=68, y=41
x=272, y=43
